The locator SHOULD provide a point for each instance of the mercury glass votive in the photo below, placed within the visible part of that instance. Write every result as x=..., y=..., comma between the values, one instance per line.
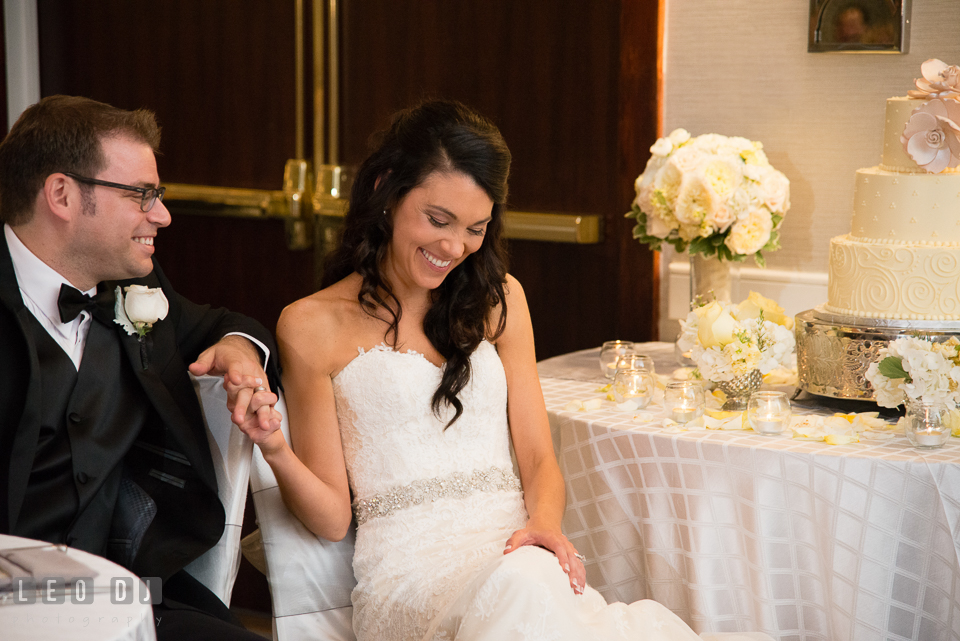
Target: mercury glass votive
x=635, y=385
x=610, y=353
x=683, y=401
x=768, y=413
x=924, y=427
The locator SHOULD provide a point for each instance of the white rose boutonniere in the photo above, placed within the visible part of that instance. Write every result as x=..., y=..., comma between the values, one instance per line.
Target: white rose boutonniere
x=140, y=309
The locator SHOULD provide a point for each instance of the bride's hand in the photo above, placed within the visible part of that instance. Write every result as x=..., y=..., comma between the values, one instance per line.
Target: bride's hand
x=557, y=543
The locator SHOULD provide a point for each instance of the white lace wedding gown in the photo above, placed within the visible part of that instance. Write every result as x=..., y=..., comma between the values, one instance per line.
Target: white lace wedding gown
x=435, y=508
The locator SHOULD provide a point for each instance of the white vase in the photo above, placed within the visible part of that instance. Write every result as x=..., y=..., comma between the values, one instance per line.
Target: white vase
x=709, y=279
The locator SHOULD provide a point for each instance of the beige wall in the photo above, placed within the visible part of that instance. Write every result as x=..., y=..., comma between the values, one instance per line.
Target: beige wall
x=741, y=67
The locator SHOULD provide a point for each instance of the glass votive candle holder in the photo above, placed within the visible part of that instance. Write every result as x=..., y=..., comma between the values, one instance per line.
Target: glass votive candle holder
x=610, y=353
x=768, y=413
x=683, y=401
x=925, y=426
x=636, y=361
x=635, y=385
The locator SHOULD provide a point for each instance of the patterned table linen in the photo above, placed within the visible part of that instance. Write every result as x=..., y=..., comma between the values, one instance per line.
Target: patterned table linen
x=734, y=531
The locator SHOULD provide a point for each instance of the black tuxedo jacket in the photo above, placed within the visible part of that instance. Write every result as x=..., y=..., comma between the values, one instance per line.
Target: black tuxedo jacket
x=187, y=523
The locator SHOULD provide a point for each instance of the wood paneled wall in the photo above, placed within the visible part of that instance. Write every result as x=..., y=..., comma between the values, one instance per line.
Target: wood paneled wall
x=220, y=76
x=573, y=87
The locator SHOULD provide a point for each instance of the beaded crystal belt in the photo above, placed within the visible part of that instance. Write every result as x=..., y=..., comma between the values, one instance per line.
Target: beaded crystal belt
x=457, y=485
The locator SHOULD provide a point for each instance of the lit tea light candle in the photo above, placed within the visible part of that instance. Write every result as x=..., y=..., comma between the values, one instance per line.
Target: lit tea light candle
x=684, y=414
x=767, y=424
x=930, y=438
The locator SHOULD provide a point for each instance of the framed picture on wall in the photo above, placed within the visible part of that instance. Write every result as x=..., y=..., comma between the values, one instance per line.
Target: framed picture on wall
x=858, y=26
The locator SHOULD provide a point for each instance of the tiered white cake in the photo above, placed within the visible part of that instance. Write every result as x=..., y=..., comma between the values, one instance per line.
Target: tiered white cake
x=901, y=259
x=898, y=270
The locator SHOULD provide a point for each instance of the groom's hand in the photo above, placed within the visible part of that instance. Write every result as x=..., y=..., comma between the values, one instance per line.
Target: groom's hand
x=237, y=360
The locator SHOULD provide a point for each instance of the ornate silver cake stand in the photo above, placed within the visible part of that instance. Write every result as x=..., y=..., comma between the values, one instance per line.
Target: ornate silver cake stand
x=834, y=351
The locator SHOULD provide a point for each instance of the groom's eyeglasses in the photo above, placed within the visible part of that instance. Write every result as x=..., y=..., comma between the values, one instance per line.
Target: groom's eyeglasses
x=148, y=195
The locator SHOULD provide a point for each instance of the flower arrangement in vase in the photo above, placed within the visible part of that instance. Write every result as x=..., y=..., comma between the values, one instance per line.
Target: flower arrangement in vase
x=711, y=195
x=925, y=377
x=734, y=345
x=914, y=368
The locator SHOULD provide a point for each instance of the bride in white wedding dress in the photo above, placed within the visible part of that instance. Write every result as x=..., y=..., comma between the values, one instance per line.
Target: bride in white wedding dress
x=407, y=378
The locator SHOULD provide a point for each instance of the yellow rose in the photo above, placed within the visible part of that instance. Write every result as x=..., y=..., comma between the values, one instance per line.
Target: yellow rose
x=951, y=420
x=756, y=303
x=716, y=326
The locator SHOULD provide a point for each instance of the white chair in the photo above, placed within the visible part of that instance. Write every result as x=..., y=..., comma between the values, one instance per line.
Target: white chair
x=231, y=450
x=310, y=578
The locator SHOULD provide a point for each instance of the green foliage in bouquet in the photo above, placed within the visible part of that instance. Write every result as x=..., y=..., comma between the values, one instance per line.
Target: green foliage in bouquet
x=710, y=246
x=892, y=368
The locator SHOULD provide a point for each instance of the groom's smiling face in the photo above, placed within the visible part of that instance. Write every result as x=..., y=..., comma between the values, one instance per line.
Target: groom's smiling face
x=114, y=239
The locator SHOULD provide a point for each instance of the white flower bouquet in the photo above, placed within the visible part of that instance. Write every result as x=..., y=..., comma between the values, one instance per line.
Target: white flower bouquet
x=727, y=341
x=711, y=195
x=913, y=368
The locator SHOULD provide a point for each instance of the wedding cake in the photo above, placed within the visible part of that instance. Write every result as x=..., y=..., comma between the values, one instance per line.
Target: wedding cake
x=901, y=259
x=898, y=270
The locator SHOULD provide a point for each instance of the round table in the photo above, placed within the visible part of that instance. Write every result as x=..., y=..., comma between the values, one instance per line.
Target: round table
x=105, y=618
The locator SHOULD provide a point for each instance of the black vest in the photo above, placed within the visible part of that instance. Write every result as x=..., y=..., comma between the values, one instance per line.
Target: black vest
x=90, y=420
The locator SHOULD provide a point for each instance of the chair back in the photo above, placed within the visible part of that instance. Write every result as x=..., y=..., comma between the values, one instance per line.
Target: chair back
x=310, y=578
x=231, y=450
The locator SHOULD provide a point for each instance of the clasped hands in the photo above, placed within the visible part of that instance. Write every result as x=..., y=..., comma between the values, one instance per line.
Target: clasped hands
x=249, y=399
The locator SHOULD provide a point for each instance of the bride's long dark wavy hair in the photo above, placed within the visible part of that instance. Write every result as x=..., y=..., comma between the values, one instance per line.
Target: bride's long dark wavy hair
x=435, y=136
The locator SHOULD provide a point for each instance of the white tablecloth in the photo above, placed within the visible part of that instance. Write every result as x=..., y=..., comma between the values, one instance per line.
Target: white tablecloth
x=734, y=531
x=102, y=620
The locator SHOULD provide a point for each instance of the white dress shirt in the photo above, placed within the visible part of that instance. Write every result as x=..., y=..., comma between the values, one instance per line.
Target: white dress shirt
x=40, y=288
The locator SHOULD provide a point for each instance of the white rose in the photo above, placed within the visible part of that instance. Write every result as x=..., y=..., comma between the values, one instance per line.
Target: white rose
x=720, y=218
x=679, y=136
x=656, y=226
x=695, y=200
x=688, y=159
x=667, y=182
x=145, y=304
x=662, y=147
x=773, y=189
x=748, y=236
x=723, y=176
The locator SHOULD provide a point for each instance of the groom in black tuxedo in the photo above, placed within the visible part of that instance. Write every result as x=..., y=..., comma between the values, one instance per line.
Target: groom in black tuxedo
x=102, y=443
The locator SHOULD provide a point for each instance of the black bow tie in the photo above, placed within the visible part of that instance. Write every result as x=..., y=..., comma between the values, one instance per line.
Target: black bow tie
x=72, y=301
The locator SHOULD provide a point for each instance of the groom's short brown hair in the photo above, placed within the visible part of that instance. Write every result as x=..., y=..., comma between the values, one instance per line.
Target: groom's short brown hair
x=62, y=134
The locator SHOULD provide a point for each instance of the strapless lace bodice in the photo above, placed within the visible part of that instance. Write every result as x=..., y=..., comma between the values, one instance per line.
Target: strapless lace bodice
x=391, y=437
